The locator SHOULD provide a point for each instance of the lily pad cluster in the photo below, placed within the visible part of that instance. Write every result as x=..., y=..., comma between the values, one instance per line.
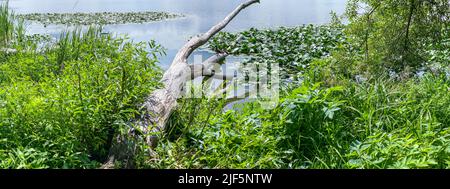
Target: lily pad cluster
x=99, y=18
x=292, y=48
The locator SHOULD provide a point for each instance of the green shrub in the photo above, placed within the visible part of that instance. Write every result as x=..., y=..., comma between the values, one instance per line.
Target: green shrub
x=61, y=103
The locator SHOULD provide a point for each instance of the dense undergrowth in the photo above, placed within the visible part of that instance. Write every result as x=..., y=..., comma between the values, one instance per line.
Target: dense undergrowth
x=348, y=107
x=329, y=120
x=62, y=101
x=380, y=123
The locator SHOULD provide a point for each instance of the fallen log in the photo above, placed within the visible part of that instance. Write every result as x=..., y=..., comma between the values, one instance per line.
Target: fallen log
x=161, y=103
x=159, y=106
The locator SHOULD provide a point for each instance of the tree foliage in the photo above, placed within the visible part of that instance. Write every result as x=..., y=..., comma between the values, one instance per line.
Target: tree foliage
x=398, y=32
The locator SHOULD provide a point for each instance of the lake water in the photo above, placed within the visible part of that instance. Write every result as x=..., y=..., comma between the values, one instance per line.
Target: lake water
x=201, y=15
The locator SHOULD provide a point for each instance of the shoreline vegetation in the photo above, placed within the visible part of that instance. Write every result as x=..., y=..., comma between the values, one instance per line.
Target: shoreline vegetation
x=354, y=100
x=98, y=18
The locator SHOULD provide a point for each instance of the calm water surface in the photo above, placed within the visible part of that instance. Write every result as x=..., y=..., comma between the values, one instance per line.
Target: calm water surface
x=201, y=15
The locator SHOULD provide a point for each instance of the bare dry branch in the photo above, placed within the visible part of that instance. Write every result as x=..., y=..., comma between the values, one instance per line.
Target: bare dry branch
x=198, y=41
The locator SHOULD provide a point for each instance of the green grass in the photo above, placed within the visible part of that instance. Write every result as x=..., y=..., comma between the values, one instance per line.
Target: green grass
x=6, y=25
x=63, y=101
x=329, y=119
x=378, y=124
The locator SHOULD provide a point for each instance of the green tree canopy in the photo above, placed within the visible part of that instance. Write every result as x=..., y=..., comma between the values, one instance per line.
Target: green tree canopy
x=398, y=32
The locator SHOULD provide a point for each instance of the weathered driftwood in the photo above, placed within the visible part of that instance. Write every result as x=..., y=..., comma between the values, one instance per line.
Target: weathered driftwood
x=161, y=103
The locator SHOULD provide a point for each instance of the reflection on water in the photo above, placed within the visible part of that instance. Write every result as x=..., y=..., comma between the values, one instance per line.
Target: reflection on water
x=201, y=15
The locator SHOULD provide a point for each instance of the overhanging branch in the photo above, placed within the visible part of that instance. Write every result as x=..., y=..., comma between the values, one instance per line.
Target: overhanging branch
x=198, y=41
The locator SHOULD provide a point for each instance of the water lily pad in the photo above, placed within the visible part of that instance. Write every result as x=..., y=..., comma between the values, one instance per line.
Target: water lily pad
x=100, y=18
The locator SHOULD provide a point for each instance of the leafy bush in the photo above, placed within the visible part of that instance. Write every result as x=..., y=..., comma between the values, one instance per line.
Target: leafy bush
x=62, y=102
x=396, y=34
x=376, y=124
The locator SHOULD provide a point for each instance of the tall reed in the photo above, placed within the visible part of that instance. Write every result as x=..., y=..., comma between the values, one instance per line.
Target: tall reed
x=6, y=24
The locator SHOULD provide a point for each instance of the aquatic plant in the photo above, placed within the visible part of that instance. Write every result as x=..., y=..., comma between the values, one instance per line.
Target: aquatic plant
x=292, y=48
x=99, y=18
x=6, y=25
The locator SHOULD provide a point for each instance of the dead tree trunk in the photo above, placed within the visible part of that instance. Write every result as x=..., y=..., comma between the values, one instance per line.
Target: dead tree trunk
x=161, y=103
